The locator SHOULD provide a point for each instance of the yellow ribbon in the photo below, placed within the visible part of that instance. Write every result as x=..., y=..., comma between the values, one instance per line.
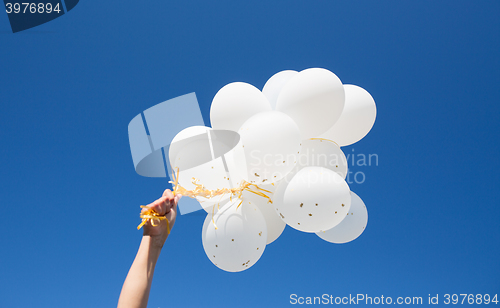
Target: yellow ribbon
x=153, y=217
x=200, y=191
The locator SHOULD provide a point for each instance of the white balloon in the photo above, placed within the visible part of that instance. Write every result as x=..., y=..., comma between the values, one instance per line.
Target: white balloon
x=357, y=118
x=315, y=199
x=275, y=225
x=197, y=152
x=351, y=227
x=322, y=153
x=271, y=144
x=273, y=86
x=190, y=136
x=212, y=205
x=235, y=103
x=240, y=237
x=314, y=99
x=236, y=164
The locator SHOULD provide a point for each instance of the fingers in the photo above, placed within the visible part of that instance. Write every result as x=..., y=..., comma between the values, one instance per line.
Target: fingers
x=164, y=204
x=172, y=213
x=168, y=193
x=169, y=202
x=161, y=205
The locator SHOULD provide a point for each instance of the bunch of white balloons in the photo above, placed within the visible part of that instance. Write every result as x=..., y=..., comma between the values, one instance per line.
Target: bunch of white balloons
x=286, y=140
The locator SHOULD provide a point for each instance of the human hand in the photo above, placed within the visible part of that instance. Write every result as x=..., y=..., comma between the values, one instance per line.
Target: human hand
x=164, y=206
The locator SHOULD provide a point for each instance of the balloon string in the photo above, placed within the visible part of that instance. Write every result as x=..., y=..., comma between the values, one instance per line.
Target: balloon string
x=200, y=191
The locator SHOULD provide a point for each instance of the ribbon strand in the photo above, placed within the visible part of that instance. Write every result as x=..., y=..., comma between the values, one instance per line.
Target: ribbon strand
x=200, y=191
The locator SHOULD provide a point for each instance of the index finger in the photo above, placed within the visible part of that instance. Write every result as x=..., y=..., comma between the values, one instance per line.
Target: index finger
x=168, y=193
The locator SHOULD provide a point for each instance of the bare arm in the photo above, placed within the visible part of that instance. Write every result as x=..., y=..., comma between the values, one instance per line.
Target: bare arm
x=135, y=290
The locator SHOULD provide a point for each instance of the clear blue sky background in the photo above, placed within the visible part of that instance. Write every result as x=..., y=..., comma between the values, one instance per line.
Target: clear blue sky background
x=70, y=196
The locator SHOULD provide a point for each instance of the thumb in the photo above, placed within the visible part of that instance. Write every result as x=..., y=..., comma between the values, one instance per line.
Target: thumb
x=174, y=208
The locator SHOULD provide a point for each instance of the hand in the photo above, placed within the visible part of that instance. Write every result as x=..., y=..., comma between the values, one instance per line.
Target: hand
x=164, y=206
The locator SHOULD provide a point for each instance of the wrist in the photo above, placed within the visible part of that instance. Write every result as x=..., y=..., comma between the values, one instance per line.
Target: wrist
x=155, y=242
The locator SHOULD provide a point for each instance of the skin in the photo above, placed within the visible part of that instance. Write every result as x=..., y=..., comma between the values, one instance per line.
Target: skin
x=135, y=290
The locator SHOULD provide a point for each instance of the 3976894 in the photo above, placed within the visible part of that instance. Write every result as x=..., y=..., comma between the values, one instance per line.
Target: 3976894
x=32, y=8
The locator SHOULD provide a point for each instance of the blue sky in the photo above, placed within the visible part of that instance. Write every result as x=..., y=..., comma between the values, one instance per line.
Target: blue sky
x=71, y=197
